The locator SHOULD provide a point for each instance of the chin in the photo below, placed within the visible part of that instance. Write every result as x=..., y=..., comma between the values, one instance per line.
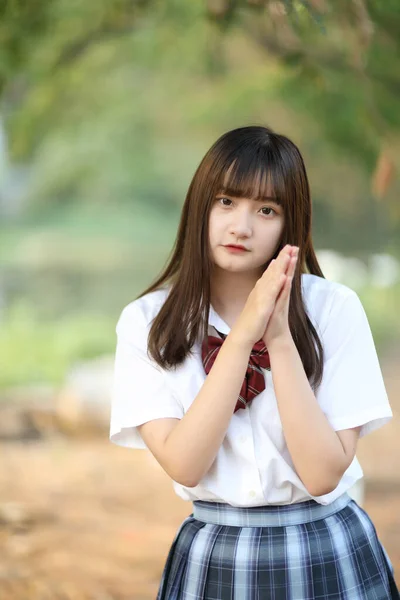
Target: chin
x=234, y=267
x=225, y=266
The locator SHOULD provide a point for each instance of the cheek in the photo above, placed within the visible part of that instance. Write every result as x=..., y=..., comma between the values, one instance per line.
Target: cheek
x=211, y=234
x=269, y=237
x=214, y=227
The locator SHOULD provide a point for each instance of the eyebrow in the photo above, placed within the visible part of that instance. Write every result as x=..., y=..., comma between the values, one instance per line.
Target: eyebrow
x=269, y=199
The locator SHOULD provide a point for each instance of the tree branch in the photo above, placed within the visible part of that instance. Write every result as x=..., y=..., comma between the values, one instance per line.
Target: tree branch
x=79, y=47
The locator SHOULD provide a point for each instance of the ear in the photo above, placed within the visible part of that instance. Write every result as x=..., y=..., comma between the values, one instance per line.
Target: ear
x=349, y=439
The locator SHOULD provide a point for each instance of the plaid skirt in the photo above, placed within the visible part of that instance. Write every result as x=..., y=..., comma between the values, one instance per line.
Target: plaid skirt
x=302, y=551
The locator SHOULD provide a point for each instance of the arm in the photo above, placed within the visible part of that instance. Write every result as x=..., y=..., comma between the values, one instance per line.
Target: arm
x=186, y=448
x=320, y=455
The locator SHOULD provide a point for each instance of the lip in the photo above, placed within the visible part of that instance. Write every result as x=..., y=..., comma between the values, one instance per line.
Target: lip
x=234, y=248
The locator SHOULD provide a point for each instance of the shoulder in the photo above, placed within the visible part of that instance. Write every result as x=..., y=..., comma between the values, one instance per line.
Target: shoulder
x=140, y=313
x=323, y=298
x=319, y=289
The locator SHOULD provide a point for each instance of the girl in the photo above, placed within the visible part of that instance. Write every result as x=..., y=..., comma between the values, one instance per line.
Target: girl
x=250, y=378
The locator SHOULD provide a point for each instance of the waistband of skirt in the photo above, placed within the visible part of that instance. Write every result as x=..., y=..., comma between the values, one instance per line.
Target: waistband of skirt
x=218, y=513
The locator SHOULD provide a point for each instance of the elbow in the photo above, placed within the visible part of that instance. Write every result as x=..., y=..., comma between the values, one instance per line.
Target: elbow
x=322, y=487
x=190, y=484
x=179, y=470
x=184, y=476
x=326, y=482
x=321, y=490
x=186, y=481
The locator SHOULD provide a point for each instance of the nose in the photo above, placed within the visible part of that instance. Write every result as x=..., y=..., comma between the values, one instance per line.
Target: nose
x=241, y=225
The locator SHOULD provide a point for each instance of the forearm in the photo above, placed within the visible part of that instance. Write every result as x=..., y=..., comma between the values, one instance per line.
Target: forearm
x=194, y=443
x=315, y=448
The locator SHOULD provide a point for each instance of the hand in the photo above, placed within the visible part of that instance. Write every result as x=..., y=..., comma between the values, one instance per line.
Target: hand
x=251, y=324
x=278, y=325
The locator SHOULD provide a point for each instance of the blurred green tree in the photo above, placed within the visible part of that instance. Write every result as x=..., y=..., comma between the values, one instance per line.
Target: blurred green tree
x=91, y=76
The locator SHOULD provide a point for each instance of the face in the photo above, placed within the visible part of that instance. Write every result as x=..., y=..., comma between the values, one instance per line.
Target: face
x=256, y=225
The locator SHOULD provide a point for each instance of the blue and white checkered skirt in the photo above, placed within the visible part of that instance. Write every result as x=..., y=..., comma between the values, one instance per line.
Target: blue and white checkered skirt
x=303, y=551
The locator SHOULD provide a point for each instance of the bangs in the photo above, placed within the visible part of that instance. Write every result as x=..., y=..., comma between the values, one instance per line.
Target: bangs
x=254, y=174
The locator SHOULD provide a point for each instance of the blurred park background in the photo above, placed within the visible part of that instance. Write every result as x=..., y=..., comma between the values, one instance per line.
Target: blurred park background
x=106, y=109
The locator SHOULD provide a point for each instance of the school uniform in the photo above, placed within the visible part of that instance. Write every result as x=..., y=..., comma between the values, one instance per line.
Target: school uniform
x=255, y=531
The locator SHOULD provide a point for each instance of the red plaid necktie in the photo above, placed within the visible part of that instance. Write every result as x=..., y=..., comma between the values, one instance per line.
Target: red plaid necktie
x=253, y=382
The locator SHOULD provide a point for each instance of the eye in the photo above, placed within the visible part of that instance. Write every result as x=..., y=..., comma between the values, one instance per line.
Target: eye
x=268, y=208
x=221, y=201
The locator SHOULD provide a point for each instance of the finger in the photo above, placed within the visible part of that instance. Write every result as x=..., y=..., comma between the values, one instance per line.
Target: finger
x=282, y=302
x=281, y=263
x=277, y=266
x=290, y=252
x=292, y=266
x=289, y=268
x=274, y=286
x=295, y=251
x=294, y=254
x=286, y=251
x=280, y=285
x=280, y=297
x=286, y=289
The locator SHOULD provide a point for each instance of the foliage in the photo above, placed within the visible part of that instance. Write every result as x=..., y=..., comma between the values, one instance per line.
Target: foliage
x=108, y=107
x=341, y=56
x=53, y=345
x=56, y=344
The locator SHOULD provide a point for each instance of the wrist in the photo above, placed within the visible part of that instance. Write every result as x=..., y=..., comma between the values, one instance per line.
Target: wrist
x=235, y=338
x=281, y=344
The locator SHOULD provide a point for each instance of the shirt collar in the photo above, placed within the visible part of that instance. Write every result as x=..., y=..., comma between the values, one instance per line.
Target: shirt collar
x=216, y=321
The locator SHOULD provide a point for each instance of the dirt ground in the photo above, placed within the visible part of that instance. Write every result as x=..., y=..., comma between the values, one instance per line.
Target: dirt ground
x=87, y=520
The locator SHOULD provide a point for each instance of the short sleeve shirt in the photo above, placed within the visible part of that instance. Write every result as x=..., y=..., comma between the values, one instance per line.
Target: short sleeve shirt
x=253, y=466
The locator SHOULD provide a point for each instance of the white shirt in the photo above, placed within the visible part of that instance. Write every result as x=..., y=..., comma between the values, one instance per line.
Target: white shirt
x=253, y=466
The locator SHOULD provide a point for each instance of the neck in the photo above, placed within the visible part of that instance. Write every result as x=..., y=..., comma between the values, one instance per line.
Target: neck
x=229, y=291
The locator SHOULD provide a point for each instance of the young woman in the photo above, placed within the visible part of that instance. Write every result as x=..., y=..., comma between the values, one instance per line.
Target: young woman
x=250, y=378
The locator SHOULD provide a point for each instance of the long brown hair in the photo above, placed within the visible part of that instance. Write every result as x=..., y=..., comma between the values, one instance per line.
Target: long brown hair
x=244, y=160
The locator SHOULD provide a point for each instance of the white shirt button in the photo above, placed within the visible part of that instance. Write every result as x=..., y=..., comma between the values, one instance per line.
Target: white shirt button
x=252, y=494
x=243, y=438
